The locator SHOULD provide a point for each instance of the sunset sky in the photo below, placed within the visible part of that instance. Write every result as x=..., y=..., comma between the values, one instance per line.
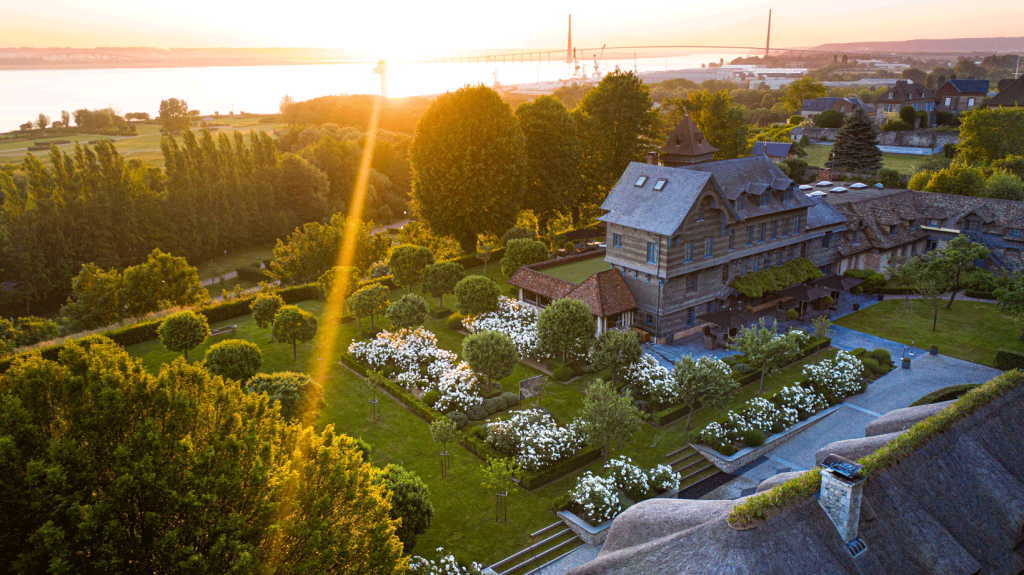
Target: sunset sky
x=401, y=29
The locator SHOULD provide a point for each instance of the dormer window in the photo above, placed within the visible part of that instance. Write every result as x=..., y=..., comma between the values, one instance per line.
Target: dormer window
x=974, y=226
x=640, y=182
x=912, y=225
x=700, y=213
x=740, y=202
x=856, y=237
x=765, y=197
x=660, y=184
x=787, y=195
x=893, y=230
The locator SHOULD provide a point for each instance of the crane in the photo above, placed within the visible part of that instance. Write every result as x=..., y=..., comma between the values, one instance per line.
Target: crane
x=381, y=69
x=597, y=74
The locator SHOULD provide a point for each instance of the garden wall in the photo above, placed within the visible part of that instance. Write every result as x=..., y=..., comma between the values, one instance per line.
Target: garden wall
x=907, y=139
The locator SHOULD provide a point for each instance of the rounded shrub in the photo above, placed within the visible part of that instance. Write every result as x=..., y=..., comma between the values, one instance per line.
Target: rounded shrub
x=460, y=419
x=477, y=412
x=234, y=359
x=501, y=401
x=752, y=437
x=871, y=364
x=726, y=449
x=511, y=399
x=792, y=314
x=882, y=355
x=858, y=352
x=407, y=311
x=431, y=397
x=454, y=321
x=288, y=389
x=563, y=373
x=490, y=406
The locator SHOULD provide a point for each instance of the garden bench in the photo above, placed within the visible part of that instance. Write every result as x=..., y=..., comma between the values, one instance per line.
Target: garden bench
x=232, y=329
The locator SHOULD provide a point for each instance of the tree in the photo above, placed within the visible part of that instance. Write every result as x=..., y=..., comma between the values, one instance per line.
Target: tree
x=468, y=165
x=856, y=145
x=160, y=282
x=65, y=118
x=264, y=308
x=958, y=178
x=498, y=474
x=991, y=134
x=407, y=263
x=183, y=331
x=706, y=380
x=522, y=252
x=764, y=348
x=490, y=354
x=476, y=295
x=607, y=418
x=313, y=249
x=407, y=311
x=485, y=249
x=292, y=325
x=410, y=503
x=803, y=89
x=1005, y=186
x=1010, y=298
x=144, y=449
x=286, y=102
x=444, y=431
x=915, y=75
x=339, y=282
x=441, y=278
x=566, y=327
x=954, y=260
x=627, y=124
x=42, y=121
x=908, y=114
x=369, y=301
x=717, y=118
x=234, y=359
x=554, y=155
x=829, y=119
x=616, y=350
x=289, y=390
x=925, y=278
x=95, y=298
x=173, y=116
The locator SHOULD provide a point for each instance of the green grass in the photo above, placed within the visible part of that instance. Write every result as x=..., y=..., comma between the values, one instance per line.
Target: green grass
x=817, y=155
x=233, y=260
x=577, y=271
x=971, y=331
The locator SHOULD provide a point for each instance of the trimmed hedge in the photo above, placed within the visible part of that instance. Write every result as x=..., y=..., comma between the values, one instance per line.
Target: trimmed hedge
x=945, y=394
x=979, y=294
x=534, y=479
x=471, y=261
x=252, y=274
x=1009, y=359
x=387, y=281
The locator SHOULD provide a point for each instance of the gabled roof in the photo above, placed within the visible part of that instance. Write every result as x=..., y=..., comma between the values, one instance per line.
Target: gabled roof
x=605, y=293
x=771, y=149
x=642, y=208
x=1011, y=96
x=540, y=282
x=968, y=86
x=822, y=214
x=734, y=176
x=904, y=91
x=687, y=140
x=826, y=103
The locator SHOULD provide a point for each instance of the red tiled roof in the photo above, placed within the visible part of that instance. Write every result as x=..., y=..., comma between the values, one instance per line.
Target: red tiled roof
x=605, y=293
x=540, y=282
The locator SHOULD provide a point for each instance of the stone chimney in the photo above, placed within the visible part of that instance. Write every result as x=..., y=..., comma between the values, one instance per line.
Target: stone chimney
x=652, y=158
x=842, y=489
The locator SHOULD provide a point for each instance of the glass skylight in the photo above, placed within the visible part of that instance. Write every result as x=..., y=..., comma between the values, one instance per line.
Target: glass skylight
x=640, y=181
x=660, y=184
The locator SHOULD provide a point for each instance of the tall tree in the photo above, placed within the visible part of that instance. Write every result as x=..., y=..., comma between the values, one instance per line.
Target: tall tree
x=717, y=118
x=162, y=280
x=553, y=158
x=566, y=327
x=953, y=261
x=706, y=380
x=407, y=263
x=174, y=116
x=991, y=134
x=856, y=145
x=302, y=189
x=42, y=121
x=608, y=419
x=65, y=118
x=468, y=165
x=763, y=347
x=441, y=278
x=490, y=354
x=805, y=88
x=616, y=350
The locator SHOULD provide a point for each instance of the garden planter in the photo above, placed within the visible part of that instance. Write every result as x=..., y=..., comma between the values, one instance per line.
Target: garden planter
x=934, y=350
x=881, y=297
x=906, y=363
x=856, y=306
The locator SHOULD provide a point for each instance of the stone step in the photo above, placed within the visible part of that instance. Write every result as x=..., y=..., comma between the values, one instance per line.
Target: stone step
x=681, y=450
x=686, y=460
x=539, y=554
x=697, y=476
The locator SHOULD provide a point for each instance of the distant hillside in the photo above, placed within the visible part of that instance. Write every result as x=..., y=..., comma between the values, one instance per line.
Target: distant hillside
x=956, y=45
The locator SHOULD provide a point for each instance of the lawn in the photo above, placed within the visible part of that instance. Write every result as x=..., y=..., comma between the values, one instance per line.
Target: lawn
x=233, y=260
x=971, y=331
x=577, y=271
x=817, y=155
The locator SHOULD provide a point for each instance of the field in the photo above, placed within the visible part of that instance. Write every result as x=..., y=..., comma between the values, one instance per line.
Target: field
x=577, y=271
x=971, y=330
x=817, y=155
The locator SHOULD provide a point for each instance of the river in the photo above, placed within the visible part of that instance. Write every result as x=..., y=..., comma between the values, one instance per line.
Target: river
x=24, y=94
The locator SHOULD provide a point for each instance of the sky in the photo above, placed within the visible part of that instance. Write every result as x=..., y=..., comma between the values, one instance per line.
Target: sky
x=401, y=29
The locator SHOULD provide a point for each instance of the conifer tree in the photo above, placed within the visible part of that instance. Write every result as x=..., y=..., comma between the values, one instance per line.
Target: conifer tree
x=856, y=147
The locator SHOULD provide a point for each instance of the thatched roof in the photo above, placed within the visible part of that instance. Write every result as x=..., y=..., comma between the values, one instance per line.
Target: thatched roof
x=956, y=505
x=902, y=419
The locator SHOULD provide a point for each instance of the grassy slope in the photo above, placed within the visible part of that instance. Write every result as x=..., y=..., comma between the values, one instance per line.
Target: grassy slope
x=970, y=331
x=817, y=155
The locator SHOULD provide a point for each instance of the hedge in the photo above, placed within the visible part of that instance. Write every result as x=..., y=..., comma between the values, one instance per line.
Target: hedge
x=252, y=274
x=1009, y=359
x=945, y=394
x=387, y=281
x=471, y=261
x=534, y=479
x=979, y=294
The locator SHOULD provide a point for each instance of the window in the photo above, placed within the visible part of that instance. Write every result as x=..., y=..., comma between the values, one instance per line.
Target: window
x=700, y=213
x=856, y=237
x=929, y=106
x=616, y=240
x=768, y=260
x=740, y=202
x=650, y=319
x=743, y=272
x=948, y=101
x=652, y=253
x=974, y=225
x=765, y=197
x=826, y=269
x=689, y=251
x=913, y=249
x=775, y=229
x=825, y=239
x=912, y=225
x=787, y=195
x=1016, y=233
x=732, y=237
x=660, y=184
x=691, y=282
x=803, y=250
x=708, y=247
x=785, y=227
x=970, y=102
x=797, y=224
x=757, y=264
x=640, y=181
x=750, y=235
x=689, y=316
x=893, y=230
x=789, y=253
x=674, y=242
x=760, y=232
x=725, y=275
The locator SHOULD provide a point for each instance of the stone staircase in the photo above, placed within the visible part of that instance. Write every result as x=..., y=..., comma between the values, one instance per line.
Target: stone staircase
x=691, y=466
x=549, y=544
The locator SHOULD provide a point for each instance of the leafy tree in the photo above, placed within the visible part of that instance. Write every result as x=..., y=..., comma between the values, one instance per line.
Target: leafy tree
x=410, y=502
x=608, y=419
x=616, y=350
x=476, y=295
x=1011, y=300
x=369, y=301
x=265, y=307
x=925, y=278
x=339, y=281
x=65, y=118
x=908, y=114
x=292, y=324
x=313, y=249
x=490, y=354
x=42, y=121
x=517, y=233
x=407, y=311
x=990, y=134
x=444, y=431
x=407, y=263
x=484, y=251
x=553, y=158
x=498, y=474
x=1005, y=186
x=890, y=178
x=302, y=188
x=856, y=145
x=959, y=179
x=95, y=299
x=953, y=262
x=915, y=75
x=829, y=119
x=717, y=118
x=183, y=331
x=160, y=282
x=566, y=327
x=570, y=95
x=173, y=116
x=441, y=278
x=1012, y=163
x=627, y=126
x=706, y=380
x=806, y=88
x=30, y=330
x=158, y=437
x=234, y=359
x=762, y=347
x=468, y=165
x=522, y=252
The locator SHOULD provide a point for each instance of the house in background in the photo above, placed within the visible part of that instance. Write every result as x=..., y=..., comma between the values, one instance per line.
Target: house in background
x=776, y=151
x=960, y=95
x=905, y=93
x=685, y=146
x=1011, y=95
x=842, y=105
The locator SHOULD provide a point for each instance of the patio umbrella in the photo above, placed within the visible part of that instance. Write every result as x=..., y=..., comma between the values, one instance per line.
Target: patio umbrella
x=837, y=283
x=804, y=292
x=728, y=318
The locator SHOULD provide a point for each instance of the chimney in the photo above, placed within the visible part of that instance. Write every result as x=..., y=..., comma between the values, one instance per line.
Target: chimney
x=652, y=158
x=842, y=488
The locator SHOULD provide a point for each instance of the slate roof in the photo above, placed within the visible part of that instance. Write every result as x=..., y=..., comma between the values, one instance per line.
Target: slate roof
x=605, y=293
x=825, y=103
x=905, y=91
x=643, y=208
x=969, y=86
x=744, y=175
x=771, y=149
x=822, y=214
x=952, y=506
x=687, y=140
x=1009, y=97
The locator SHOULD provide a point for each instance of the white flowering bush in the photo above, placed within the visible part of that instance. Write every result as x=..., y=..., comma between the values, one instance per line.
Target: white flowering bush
x=598, y=497
x=714, y=434
x=406, y=349
x=839, y=377
x=446, y=565
x=768, y=417
x=629, y=478
x=801, y=399
x=652, y=379
x=663, y=479
x=458, y=388
x=534, y=439
x=515, y=319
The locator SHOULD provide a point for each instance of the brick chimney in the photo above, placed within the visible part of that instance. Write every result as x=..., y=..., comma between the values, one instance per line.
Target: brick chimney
x=842, y=489
x=652, y=158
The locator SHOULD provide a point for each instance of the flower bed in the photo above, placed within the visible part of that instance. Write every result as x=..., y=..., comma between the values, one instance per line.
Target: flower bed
x=534, y=439
x=598, y=499
x=516, y=320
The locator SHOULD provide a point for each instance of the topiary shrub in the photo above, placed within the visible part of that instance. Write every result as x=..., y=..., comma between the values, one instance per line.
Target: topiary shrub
x=858, y=352
x=871, y=365
x=726, y=449
x=742, y=368
x=431, y=397
x=460, y=419
x=501, y=401
x=511, y=399
x=490, y=406
x=882, y=355
x=563, y=373
x=752, y=438
x=792, y=314
x=477, y=412
x=454, y=322
x=234, y=359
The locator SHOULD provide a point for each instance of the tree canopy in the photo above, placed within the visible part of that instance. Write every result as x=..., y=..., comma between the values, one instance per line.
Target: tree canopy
x=805, y=88
x=235, y=359
x=369, y=301
x=476, y=295
x=554, y=155
x=990, y=134
x=616, y=350
x=174, y=116
x=706, y=381
x=407, y=311
x=608, y=419
x=717, y=118
x=522, y=252
x=313, y=249
x=566, y=327
x=183, y=331
x=490, y=354
x=407, y=263
x=856, y=145
x=410, y=502
x=293, y=324
x=441, y=278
